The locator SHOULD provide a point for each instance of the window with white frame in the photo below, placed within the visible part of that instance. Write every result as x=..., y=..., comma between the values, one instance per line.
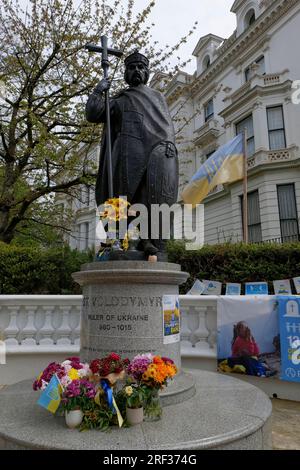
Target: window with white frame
x=288, y=214
x=249, y=18
x=276, y=128
x=206, y=62
x=209, y=110
x=254, y=220
x=247, y=124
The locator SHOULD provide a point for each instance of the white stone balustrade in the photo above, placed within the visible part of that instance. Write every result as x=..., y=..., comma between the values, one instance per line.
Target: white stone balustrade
x=198, y=326
x=35, y=323
x=38, y=329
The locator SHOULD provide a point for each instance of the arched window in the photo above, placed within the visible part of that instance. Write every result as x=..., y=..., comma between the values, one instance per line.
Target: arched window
x=249, y=18
x=206, y=62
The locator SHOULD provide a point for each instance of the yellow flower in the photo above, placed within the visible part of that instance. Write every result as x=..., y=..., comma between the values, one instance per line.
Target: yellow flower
x=129, y=390
x=73, y=374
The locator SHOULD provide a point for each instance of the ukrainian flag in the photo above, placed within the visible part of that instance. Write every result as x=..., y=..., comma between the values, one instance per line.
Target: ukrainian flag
x=51, y=396
x=224, y=166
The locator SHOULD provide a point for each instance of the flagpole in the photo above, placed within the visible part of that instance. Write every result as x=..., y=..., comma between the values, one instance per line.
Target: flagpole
x=245, y=189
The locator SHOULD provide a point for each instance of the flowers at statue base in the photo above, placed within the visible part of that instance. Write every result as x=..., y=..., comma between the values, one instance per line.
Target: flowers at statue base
x=151, y=373
x=112, y=367
x=78, y=395
x=91, y=388
x=67, y=371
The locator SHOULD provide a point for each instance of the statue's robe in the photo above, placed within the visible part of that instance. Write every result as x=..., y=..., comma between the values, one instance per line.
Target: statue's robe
x=143, y=146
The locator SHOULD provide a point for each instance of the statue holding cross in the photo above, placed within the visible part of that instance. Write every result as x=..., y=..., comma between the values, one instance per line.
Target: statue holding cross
x=138, y=155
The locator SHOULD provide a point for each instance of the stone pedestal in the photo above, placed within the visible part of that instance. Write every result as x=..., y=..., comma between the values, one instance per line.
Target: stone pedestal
x=122, y=308
x=122, y=312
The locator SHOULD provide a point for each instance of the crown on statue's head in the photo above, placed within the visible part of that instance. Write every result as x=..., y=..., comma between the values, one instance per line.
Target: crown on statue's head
x=136, y=56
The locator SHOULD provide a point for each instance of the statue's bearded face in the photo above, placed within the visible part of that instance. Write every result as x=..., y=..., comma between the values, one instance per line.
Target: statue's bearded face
x=136, y=74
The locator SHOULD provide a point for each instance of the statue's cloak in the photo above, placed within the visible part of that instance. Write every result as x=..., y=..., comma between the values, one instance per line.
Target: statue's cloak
x=140, y=121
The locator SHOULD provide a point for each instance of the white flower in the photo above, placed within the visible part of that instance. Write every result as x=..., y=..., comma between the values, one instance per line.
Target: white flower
x=44, y=385
x=82, y=373
x=65, y=381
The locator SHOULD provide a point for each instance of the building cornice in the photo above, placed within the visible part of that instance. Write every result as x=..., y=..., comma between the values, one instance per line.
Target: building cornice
x=235, y=46
x=252, y=94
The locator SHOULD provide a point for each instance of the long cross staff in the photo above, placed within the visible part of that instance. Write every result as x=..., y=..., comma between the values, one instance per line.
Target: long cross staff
x=105, y=51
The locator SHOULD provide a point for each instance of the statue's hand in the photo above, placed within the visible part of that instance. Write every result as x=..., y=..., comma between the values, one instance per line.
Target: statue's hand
x=103, y=85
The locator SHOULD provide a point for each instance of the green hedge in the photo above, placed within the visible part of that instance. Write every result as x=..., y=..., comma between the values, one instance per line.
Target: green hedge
x=238, y=262
x=38, y=271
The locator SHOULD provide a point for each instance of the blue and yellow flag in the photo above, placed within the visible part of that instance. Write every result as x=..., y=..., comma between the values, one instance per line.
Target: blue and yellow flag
x=51, y=396
x=224, y=166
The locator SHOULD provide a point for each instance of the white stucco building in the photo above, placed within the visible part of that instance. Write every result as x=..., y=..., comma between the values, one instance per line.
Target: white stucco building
x=246, y=81
x=243, y=81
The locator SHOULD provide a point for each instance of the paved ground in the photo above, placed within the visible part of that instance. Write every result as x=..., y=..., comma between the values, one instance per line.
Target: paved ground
x=286, y=424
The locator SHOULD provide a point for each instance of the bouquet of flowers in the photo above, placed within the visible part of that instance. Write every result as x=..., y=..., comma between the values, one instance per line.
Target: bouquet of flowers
x=151, y=373
x=67, y=371
x=111, y=367
x=78, y=395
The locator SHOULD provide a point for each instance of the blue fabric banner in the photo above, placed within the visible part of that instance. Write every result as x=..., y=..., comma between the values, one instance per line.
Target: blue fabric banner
x=289, y=325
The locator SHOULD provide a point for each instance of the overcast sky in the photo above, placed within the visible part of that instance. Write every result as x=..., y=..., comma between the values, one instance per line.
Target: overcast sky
x=173, y=18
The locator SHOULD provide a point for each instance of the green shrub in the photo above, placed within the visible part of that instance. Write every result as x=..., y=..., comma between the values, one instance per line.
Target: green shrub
x=26, y=270
x=238, y=262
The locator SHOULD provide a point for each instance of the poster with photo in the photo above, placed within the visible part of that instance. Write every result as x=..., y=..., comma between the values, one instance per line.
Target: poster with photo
x=171, y=319
x=282, y=287
x=296, y=281
x=256, y=288
x=233, y=288
x=289, y=324
x=248, y=336
x=212, y=287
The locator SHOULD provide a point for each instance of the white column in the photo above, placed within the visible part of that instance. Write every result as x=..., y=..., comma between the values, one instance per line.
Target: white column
x=260, y=126
x=63, y=333
x=11, y=333
x=46, y=333
x=28, y=333
x=202, y=332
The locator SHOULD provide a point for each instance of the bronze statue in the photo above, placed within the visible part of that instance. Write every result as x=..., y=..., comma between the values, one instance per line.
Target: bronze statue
x=144, y=156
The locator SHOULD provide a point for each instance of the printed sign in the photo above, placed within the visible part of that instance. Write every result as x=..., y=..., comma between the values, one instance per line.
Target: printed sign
x=296, y=281
x=171, y=319
x=248, y=336
x=233, y=288
x=282, y=287
x=197, y=288
x=256, y=288
x=289, y=324
x=212, y=287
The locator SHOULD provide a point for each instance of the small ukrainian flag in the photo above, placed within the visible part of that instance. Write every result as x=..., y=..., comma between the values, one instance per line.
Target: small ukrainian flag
x=51, y=396
x=224, y=166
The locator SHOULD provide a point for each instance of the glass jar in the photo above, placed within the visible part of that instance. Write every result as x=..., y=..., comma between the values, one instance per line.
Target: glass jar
x=153, y=408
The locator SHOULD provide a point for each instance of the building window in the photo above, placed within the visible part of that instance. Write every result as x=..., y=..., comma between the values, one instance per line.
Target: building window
x=247, y=123
x=254, y=222
x=209, y=154
x=289, y=225
x=209, y=110
x=276, y=128
x=249, y=18
x=206, y=62
x=259, y=66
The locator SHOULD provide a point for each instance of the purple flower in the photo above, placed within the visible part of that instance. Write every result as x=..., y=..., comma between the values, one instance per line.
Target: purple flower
x=139, y=365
